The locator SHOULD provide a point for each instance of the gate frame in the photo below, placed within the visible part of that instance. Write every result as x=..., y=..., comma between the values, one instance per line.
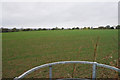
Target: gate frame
x=95, y=64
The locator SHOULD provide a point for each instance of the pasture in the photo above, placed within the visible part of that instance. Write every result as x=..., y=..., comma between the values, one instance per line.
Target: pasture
x=22, y=51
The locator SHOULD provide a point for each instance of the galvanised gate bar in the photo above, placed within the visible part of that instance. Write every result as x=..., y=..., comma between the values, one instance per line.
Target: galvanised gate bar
x=95, y=64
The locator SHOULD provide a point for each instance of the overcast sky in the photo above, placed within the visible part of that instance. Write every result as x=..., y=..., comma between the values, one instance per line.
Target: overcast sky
x=59, y=14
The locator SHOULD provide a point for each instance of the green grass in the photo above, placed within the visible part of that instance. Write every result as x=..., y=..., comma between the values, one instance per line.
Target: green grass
x=25, y=50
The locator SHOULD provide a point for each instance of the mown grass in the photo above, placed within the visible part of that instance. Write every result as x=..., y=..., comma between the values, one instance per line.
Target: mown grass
x=25, y=50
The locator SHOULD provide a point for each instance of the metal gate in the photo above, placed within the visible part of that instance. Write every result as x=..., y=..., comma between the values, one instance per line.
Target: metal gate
x=95, y=64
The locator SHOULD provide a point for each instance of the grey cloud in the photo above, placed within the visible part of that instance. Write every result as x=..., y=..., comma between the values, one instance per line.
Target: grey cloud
x=61, y=14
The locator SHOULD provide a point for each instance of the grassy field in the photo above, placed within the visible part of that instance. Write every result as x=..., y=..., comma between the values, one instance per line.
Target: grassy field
x=25, y=50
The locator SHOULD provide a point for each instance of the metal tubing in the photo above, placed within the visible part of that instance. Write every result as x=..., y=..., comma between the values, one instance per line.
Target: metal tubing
x=15, y=78
x=50, y=72
x=65, y=62
x=94, y=71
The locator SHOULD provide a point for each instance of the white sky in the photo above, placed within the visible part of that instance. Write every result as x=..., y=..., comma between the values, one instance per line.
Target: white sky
x=66, y=14
x=59, y=0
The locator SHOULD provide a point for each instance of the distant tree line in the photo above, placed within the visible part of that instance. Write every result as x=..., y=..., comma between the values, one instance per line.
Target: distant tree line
x=56, y=28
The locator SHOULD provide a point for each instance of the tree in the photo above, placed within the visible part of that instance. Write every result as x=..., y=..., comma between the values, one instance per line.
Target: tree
x=73, y=28
x=77, y=27
x=14, y=30
x=101, y=27
x=39, y=29
x=108, y=27
x=62, y=28
x=118, y=27
x=44, y=29
x=5, y=29
x=88, y=27
x=28, y=29
x=84, y=28
x=57, y=28
x=111, y=27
